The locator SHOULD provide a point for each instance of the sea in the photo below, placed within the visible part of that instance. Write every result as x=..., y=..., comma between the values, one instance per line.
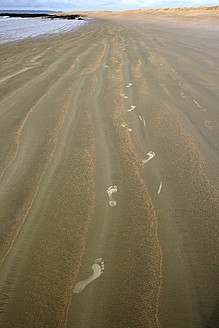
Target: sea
x=15, y=28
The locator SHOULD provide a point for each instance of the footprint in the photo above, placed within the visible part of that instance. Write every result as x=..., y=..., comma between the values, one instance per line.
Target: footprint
x=182, y=94
x=111, y=190
x=124, y=125
x=98, y=268
x=199, y=106
x=173, y=77
x=208, y=125
x=160, y=187
x=131, y=108
x=151, y=154
x=142, y=119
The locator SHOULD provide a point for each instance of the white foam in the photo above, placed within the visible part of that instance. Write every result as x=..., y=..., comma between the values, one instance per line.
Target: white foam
x=13, y=29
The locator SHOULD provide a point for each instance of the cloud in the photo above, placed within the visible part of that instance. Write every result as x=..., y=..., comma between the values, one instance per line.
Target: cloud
x=37, y=4
x=71, y=5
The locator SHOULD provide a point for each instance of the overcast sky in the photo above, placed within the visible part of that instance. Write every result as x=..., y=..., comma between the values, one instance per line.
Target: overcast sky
x=74, y=5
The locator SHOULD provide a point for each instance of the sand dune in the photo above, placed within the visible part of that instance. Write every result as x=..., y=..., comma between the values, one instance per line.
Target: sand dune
x=201, y=13
x=109, y=153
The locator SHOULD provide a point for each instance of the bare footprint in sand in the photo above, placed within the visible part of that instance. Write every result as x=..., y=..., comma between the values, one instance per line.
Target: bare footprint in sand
x=98, y=268
x=150, y=154
x=142, y=119
x=199, y=106
x=111, y=190
x=131, y=108
x=124, y=125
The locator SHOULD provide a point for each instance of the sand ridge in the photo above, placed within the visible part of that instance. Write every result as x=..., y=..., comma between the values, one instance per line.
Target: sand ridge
x=122, y=114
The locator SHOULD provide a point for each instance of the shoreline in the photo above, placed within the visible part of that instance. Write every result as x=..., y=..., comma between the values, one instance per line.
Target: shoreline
x=16, y=29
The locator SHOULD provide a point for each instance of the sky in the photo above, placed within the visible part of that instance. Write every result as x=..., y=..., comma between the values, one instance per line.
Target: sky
x=75, y=5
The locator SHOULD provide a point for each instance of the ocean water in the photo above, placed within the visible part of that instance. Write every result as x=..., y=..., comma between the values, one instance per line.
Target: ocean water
x=13, y=29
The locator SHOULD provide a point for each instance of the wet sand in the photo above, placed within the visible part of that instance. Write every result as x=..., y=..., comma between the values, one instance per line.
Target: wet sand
x=125, y=103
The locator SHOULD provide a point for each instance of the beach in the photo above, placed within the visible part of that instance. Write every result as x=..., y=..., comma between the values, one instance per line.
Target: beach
x=109, y=174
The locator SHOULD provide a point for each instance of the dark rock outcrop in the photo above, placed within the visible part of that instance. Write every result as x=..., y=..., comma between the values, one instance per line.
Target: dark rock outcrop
x=50, y=16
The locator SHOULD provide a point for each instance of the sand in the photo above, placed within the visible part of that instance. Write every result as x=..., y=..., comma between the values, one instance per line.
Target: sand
x=196, y=15
x=109, y=152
